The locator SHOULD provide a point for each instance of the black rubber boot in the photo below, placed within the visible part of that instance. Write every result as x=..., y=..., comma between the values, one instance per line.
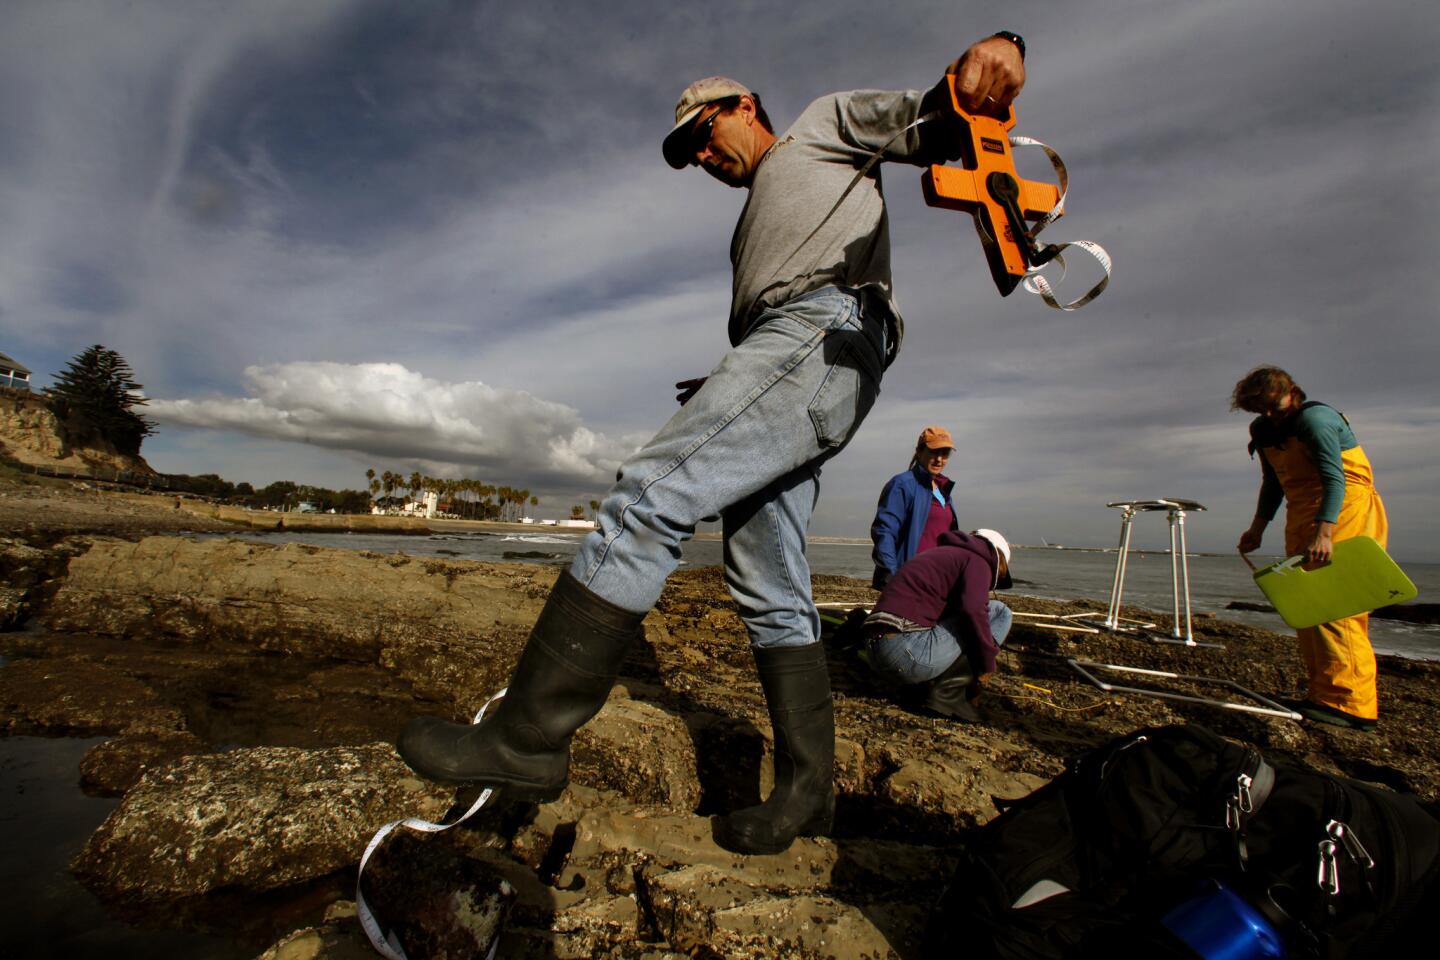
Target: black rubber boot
x=797, y=691
x=1324, y=713
x=949, y=694
x=564, y=675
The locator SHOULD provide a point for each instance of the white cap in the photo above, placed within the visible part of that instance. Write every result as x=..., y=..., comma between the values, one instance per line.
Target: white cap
x=1002, y=547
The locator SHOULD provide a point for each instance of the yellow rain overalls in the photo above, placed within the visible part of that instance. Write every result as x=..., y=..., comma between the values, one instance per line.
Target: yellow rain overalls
x=1337, y=656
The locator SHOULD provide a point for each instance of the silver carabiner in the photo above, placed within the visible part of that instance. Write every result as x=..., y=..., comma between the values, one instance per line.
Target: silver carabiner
x=1242, y=793
x=1329, y=875
x=1342, y=832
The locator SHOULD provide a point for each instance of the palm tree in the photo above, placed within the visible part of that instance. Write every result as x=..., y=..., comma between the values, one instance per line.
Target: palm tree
x=472, y=495
x=595, y=510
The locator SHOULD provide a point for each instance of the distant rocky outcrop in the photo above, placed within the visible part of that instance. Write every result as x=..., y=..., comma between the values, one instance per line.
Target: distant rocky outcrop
x=1409, y=612
x=1402, y=612
x=31, y=435
x=310, y=522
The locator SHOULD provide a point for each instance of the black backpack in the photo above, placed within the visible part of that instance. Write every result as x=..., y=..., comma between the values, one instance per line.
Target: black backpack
x=1088, y=865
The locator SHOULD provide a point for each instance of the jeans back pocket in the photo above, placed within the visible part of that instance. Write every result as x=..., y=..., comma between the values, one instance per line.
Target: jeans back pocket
x=850, y=387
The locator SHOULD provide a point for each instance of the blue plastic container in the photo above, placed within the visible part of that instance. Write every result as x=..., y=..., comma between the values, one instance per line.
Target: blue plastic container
x=1218, y=925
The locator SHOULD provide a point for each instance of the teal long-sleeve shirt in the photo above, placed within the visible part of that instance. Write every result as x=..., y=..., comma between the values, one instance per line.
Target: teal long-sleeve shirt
x=1326, y=434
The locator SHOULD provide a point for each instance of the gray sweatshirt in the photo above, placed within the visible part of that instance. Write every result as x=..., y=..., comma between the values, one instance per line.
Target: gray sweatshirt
x=799, y=182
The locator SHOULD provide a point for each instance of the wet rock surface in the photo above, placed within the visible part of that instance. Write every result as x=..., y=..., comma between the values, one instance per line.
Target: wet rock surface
x=339, y=937
x=251, y=693
x=258, y=819
x=438, y=902
x=29, y=574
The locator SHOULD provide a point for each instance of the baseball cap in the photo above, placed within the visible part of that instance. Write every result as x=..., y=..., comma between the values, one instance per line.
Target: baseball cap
x=935, y=437
x=997, y=540
x=694, y=97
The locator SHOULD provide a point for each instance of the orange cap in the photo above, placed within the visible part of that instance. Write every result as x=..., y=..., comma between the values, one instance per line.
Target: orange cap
x=935, y=437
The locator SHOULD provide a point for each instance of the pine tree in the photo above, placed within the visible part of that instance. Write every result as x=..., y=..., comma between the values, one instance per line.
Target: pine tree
x=98, y=386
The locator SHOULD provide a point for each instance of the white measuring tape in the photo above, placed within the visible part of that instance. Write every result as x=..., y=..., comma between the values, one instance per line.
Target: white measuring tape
x=387, y=943
x=1033, y=281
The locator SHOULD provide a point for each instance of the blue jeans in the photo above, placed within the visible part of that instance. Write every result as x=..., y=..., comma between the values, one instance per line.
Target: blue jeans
x=922, y=655
x=748, y=447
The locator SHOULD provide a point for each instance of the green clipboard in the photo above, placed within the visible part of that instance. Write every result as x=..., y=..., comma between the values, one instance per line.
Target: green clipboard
x=1360, y=577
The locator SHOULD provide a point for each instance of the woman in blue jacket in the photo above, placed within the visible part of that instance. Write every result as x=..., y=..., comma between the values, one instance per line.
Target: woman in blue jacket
x=915, y=506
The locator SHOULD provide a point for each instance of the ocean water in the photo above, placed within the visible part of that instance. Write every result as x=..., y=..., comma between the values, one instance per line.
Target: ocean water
x=1039, y=572
x=44, y=822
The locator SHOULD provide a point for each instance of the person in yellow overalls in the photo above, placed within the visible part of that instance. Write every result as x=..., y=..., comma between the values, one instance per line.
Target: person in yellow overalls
x=1310, y=458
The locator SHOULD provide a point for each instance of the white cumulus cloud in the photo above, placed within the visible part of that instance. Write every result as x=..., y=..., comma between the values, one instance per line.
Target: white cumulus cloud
x=387, y=411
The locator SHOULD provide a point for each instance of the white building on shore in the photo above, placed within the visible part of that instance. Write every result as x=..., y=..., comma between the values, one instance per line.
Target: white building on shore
x=427, y=506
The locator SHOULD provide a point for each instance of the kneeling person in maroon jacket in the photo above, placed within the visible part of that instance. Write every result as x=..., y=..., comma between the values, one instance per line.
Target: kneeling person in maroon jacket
x=935, y=629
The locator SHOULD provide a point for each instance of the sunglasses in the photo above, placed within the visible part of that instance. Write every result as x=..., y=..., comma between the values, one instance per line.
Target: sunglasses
x=702, y=131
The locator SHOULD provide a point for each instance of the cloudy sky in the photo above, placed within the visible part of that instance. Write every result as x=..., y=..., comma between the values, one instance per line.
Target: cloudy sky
x=343, y=234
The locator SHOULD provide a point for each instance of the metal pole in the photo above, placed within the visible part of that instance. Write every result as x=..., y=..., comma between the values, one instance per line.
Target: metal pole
x=1174, y=581
x=1180, y=574
x=1117, y=589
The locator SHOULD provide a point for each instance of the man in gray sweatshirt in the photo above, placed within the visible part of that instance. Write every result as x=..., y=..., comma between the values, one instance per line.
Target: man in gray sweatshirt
x=813, y=325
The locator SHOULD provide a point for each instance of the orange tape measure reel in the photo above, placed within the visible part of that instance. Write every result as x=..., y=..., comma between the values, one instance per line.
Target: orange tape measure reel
x=987, y=187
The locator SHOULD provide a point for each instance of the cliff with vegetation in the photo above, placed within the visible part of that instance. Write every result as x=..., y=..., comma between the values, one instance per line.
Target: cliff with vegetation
x=33, y=437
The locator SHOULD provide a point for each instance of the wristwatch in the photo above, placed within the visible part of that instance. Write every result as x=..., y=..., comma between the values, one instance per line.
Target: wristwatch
x=1014, y=38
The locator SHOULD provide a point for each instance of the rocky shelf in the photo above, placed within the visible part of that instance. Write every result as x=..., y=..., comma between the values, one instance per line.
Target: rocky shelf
x=250, y=694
